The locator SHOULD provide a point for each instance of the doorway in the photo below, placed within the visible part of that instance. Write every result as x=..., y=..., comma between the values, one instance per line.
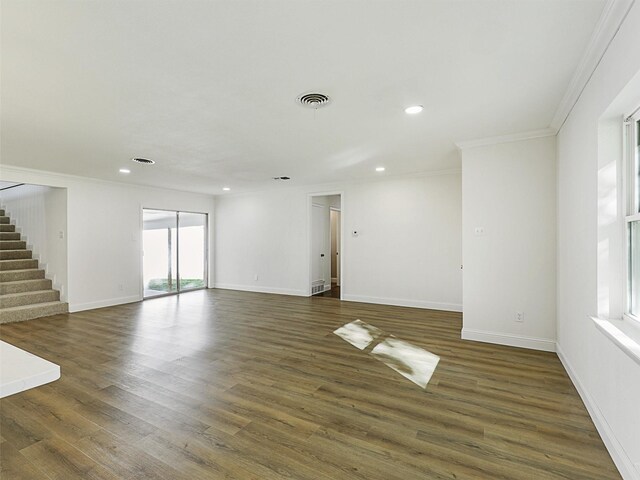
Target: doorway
x=325, y=245
x=174, y=256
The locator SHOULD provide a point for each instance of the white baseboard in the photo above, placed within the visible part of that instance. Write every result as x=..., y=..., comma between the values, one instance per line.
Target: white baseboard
x=617, y=452
x=511, y=340
x=259, y=289
x=449, y=307
x=327, y=287
x=79, y=307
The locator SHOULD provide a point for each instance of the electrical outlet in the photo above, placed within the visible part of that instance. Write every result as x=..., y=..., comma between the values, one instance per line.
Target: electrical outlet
x=519, y=317
x=479, y=231
x=120, y=287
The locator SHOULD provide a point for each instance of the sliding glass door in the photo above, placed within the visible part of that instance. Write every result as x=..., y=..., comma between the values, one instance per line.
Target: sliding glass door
x=174, y=251
x=192, y=254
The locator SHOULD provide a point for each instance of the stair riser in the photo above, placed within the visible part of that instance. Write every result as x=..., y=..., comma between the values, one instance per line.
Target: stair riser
x=29, y=299
x=9, y=236
x=2, y=213
x=15, y=254
x=17, y=264
x=16, y=244
x=30, y=286
x=22, y=275
x=7, y=228
x=33, y=312
x=4, y=220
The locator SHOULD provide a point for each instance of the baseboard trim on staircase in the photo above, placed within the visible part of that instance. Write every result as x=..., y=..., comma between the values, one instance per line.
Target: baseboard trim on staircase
x=111, y=302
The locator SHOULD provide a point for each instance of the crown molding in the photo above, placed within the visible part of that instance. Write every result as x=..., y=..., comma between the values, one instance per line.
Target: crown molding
x=48, y=178
x=513, y=137
x=613, y=14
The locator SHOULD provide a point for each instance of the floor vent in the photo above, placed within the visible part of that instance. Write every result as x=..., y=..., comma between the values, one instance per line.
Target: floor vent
x=317, y=287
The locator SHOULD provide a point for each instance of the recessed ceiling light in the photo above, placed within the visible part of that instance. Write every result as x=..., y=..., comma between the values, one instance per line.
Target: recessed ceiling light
x=125, y=170
x=226, y=189
x=379, y=169
x=413, y=109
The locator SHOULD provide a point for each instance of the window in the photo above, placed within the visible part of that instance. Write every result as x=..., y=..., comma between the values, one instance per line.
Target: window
x=632, y=223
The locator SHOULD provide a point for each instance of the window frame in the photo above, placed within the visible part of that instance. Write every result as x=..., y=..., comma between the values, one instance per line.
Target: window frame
x=631, y=185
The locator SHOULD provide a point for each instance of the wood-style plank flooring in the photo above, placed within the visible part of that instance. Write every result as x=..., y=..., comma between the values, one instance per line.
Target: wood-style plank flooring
x=234, y=385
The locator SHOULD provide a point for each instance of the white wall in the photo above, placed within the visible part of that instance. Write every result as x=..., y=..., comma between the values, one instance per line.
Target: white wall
x=509, y=191
x=104, y=232
x=608, y=380
x=40, y=215
x=407, y=252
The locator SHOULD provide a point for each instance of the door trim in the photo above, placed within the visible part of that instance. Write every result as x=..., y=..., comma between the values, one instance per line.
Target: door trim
x=310, y=202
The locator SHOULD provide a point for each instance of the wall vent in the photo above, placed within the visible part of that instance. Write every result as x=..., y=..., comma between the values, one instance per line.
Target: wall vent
x=317, y=287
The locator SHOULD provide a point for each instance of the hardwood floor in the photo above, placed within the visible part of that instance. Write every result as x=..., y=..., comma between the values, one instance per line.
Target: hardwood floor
x=234, y=385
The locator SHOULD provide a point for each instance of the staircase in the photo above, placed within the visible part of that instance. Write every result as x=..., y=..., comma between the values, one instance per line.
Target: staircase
x=24, y=292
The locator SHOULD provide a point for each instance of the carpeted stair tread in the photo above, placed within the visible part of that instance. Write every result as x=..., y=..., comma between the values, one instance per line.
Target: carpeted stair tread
x=21, y=274
x=15, y=254
x=13, y=244
x=18, y=264
x=9, y=236
x=4, y=219
x=28, y=298
x=28, y=312
x=30, y=285
x=5, y=227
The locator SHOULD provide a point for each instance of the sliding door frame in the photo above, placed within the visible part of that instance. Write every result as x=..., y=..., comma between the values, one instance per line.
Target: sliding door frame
x=205, y=266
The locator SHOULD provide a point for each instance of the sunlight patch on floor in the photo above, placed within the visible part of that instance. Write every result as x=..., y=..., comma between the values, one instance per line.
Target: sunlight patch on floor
x=412, y=362
x=358, y=333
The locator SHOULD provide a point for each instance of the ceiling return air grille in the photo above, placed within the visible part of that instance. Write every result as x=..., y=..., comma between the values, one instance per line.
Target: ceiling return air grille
x=313, y=100
x=143, y=161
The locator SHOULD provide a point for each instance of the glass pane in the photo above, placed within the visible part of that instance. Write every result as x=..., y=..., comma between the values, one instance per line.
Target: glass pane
x=637, y=168
x=634, y=268
x=159, y=252
x=193, y=250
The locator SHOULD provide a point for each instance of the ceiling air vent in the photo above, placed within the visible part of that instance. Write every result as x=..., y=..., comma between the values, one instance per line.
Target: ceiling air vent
x=282, y=178
x=313, y=100
x=144, y=161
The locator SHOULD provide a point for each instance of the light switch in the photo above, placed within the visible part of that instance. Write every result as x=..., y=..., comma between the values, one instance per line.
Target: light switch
x=479, y=231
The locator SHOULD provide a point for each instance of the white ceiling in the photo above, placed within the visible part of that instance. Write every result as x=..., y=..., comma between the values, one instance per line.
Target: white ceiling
x=208, y=88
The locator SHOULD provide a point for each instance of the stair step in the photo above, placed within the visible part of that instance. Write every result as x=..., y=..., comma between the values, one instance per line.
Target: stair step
x=21, y=274
x=7, y=228
x=9, y=236
x=15, y=254
x=19, y=286
x=28, y=298
x=18, y=264
x=28, y=312
x=12, y=244
x=2, y=213
x=4, y=219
